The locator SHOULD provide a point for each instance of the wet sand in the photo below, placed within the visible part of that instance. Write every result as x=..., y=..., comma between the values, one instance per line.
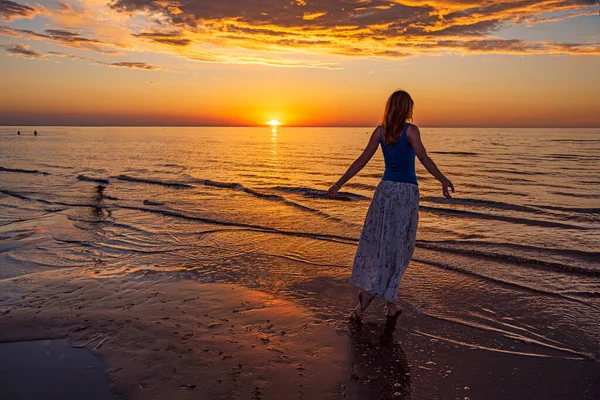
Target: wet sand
x=41, y=369
x=164, y=337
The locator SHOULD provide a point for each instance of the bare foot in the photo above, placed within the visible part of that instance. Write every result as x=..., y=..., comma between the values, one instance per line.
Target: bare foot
x=392, y=310
x=364, y=299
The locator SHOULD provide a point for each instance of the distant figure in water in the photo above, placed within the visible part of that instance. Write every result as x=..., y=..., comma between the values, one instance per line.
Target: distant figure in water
x=387, y=241
x=34, y=133
x=18, y=132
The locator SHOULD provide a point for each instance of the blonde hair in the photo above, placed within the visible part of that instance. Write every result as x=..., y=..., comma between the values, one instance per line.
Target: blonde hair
x=398, y=110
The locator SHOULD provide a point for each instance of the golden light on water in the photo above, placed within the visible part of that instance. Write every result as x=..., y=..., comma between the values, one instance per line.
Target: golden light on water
x=274, y=123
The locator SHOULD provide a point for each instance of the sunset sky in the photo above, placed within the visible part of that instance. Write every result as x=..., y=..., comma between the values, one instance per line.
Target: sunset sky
x=302, y=62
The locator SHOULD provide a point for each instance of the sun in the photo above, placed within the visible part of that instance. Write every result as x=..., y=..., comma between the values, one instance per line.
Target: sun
x=274, y=123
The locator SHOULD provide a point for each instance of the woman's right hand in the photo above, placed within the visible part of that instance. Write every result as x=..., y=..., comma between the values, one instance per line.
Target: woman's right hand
x=446, y=184
x=332, y=192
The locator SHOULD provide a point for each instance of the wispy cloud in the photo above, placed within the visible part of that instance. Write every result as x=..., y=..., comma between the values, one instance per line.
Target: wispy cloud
x=30, y=53
x=62, y=37
x=23, y=51
x=9, y=10
x=132, y=65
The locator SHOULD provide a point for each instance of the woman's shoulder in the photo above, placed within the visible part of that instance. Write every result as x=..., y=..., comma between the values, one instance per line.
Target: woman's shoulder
x=412, y=130
x=412, y=127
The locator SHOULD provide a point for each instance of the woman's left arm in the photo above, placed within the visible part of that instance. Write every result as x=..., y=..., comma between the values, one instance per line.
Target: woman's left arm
x=358, y=164
x=414, y=137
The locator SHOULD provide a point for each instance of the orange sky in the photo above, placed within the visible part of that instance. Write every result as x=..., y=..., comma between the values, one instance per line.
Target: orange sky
x=325, y=63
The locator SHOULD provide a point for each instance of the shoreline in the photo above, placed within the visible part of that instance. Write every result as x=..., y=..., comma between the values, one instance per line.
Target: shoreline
x=166, y=337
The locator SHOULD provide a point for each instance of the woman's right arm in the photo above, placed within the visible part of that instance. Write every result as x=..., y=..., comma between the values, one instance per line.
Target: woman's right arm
x=357, y=165
x=414, y=136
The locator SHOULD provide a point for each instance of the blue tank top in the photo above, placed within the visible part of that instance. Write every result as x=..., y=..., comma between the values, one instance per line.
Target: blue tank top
x=399, y=159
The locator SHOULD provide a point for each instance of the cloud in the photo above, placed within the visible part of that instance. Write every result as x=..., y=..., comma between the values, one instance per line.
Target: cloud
x=9, y=10
x=270, y=61
x=171, y=38
x=132, y=65
x=62, y=37
x=23, y=51
x=27, y=52
x=374, y=28
x=301, y=33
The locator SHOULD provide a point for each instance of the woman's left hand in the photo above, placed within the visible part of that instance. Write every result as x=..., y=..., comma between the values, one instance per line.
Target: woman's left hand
x=332, y=192
x=446, y=184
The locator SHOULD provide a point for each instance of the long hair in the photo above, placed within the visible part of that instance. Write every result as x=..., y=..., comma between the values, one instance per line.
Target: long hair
x=398, y=110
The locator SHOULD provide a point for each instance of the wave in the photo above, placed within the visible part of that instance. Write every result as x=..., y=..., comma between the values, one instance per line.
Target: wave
x=23, y=171
x=378, y=176
x=533, y=208
x=267, y=196
x=24, y=197
x=260, y=228
x=263, y=176
x=320, y=194
x=82, y=177
x=579, y=195
x=153, y=203
x=573, y=209
x=458, y=153
x=503, y=218
x=153, y=182
x=170, y=165
x=505, y=282
x=491, y=251
x=576, y=140
x=362, y=186
x=577, y=157
x=482, y=203
x=510, y=171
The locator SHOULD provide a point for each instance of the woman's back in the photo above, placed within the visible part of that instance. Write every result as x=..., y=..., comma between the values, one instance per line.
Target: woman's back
x=399, y=158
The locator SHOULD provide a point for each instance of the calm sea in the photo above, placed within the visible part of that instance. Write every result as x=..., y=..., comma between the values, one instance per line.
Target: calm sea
x=515, y=253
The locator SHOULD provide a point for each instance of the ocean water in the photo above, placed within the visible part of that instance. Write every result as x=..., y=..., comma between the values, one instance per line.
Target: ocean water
x=514, y=255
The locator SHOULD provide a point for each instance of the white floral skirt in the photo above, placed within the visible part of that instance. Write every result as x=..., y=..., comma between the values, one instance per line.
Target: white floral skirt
x=387, y=241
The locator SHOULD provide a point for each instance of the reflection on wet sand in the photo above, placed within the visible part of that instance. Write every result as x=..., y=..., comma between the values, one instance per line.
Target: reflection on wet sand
x=98, y=211
x=379, y=364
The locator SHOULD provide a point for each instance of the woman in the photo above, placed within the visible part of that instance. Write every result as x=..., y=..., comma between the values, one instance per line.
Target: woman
x=388, y=237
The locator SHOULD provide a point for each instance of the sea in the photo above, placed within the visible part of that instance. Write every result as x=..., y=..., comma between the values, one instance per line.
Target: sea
x=514, y=255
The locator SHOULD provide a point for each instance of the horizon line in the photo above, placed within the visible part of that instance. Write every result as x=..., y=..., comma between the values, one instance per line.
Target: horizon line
x=293, y=126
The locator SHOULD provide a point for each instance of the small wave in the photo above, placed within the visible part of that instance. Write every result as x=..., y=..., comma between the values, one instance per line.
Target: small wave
x=578, y=157
x=579, y=195
x=266, y=229
x=24, y=171
x=362, y=186
x=512, y=171
x=153, y=182
x=482, y=203
x=478, y=275
x=153, y=203
x=457, y=153
x=23, y=197
x=90, y=179
x=55, y=166
x=378, y=176
x=510, y=255
x=267, y=196
x=514, y=220
x=263, y=176
x=170, y=165
x=573, y=209
x=320, y=194
x=576, y=140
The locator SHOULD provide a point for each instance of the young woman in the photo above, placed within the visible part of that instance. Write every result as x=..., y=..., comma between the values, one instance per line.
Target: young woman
x=387, y=241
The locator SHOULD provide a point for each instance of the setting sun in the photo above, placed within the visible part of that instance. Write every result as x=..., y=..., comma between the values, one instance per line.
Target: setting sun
x=274, y=123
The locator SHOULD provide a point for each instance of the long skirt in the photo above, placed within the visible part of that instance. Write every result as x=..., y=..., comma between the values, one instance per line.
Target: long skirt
x=387, y=241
